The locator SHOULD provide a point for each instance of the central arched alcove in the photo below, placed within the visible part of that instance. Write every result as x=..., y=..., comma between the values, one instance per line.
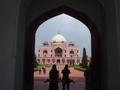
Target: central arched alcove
x=30, y=39
x=58, y=52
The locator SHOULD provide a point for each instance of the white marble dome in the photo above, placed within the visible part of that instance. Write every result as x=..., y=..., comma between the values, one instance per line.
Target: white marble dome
x=58, y=38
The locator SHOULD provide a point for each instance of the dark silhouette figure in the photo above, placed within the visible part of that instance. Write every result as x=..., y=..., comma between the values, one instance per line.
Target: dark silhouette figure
x=65, y=79
x=87, y=79
x=53, y=78
x=44, y=70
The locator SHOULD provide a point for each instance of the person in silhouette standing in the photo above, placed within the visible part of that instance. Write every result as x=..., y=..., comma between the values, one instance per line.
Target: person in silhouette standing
x=87, y=79
x=44, y=69
x=53, y=78
x=65, y=78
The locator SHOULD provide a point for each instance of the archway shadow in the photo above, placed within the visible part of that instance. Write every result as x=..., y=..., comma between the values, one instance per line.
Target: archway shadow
x=95, y=64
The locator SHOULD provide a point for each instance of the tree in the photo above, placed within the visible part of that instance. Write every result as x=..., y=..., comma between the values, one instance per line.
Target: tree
x=84, y=58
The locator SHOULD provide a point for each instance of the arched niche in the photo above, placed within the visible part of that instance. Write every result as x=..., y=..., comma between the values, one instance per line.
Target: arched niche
x=30, y=42
x=58, y=52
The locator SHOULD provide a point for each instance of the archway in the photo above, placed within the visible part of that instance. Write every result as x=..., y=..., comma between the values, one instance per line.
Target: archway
x=30, y=39
x=58, y=52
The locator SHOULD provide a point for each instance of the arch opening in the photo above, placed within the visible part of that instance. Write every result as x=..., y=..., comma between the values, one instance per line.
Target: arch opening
x=59, y=37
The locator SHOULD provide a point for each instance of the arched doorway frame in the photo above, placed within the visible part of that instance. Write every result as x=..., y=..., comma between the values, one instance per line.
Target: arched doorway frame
x=30, y=44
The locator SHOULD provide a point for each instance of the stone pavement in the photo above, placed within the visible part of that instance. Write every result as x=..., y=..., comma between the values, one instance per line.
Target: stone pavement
x=77, y=76
x=40, y=85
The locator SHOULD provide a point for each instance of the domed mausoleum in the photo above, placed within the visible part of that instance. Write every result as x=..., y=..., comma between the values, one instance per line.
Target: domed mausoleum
x=58, y=51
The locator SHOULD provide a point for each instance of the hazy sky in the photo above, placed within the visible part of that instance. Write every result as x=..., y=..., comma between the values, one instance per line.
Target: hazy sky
x=72, y=29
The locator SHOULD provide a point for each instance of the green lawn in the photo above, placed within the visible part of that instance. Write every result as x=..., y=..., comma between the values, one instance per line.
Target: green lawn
x=40, y=66
x=80, y=68
x=77, y=67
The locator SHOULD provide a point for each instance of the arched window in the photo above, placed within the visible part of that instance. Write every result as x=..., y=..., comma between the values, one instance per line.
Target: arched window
x=63, y=61
x=38, y=55
x=53, y=60
x=68, y=61
x=45, y=52
x=58, y=52
x=38, y=60
x=48, y=60
x=43, y=60
x=78, y=61
x=71, y=52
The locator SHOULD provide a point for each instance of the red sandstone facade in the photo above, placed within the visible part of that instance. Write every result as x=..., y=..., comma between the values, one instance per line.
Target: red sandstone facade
x=58, y=51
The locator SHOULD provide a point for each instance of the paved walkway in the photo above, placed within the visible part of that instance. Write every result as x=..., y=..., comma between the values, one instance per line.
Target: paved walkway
x=40, y=85
x=74, y=73
x=77, y=76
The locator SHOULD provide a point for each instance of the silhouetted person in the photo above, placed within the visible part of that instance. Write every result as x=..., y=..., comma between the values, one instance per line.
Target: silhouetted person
x=87, y=79
x=53, y=78
x=44, y=70
x=65, y=78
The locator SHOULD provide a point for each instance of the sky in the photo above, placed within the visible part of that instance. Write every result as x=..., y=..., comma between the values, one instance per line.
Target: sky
x=72, y=29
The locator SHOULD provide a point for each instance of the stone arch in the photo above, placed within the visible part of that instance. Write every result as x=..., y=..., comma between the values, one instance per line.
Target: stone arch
x=45, y=51
x=19, y=9
x=30, y=34
x=71, y=52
